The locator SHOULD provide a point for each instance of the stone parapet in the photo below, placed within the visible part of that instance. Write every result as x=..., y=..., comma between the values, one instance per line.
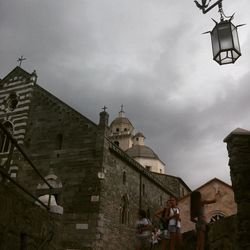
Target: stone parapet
x=238, y=145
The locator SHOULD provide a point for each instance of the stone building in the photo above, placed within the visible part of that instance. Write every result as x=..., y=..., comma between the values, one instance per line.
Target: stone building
x=224, y=207
x=97, y=188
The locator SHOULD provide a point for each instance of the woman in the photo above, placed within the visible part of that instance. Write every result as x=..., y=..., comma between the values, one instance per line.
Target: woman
x=174, y=225
x=143, y=231
x=163, y=215
x=197, y=216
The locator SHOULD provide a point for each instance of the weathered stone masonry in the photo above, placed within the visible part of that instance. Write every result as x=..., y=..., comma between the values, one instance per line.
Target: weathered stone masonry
x=238, y=145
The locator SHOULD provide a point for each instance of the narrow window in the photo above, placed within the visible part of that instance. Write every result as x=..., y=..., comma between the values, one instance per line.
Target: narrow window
x=124, y=178
x=160, y=200
x=143, y=189
x=59, y=141
x=116, y=143
x=124, y=210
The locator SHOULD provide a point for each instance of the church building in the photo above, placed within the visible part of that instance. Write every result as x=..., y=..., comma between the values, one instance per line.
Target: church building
x=99, y=175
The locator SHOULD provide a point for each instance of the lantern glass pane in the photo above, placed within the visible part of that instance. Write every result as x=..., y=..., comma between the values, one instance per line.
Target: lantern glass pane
x=217, y=59
x=215, y=42
x=235, y=38
x=225, y=36
x=235, y=55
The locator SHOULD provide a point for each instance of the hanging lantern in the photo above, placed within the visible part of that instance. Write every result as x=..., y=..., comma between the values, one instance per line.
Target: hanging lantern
x=224, y=36
x=225, y=42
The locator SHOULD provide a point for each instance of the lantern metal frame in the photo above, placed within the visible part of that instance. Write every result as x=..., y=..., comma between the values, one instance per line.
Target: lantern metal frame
x=225, y=54
x=224, y=36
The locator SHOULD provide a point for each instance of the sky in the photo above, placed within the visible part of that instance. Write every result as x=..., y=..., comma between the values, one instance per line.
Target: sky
x=150, y=56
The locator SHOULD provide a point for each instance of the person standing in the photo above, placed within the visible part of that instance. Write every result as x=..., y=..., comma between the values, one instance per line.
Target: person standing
x=143, y=231
x=197, y=215
x=163, y=215
x=174, y=225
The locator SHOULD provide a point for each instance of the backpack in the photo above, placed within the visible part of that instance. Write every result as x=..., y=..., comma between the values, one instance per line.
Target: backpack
x=163, y=223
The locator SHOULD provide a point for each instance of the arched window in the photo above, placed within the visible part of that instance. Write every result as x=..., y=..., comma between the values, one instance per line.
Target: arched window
x=124, y=210
x=216, y=216
x=11, y=102
x=4, y=140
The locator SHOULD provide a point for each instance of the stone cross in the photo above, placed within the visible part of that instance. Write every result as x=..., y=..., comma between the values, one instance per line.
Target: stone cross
x=20, y=60
x=104, y=108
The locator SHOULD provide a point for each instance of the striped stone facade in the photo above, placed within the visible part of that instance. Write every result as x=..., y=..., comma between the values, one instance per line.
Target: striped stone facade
x=15, y=97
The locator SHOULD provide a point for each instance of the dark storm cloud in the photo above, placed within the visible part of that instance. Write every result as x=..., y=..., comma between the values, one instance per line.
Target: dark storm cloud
x=149, y=56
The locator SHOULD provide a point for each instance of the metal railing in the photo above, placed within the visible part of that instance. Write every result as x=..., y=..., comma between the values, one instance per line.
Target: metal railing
x=15, y=147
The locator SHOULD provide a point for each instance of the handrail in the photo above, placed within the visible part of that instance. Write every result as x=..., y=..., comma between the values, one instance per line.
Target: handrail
x=21, y=187
x=19, y=148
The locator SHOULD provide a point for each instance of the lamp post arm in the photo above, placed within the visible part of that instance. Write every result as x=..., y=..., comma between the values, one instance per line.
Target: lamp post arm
x=204, y=8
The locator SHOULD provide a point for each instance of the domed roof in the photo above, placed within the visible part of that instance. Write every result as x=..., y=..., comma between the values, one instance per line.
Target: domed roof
x=121, y=120
x=142, y=151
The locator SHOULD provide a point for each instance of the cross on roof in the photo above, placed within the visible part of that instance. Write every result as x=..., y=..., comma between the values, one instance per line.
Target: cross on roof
x=20, y=60
x=122, y=108
x=104, y=108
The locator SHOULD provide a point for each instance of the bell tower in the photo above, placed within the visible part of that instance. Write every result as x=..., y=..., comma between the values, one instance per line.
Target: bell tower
x=121, y=131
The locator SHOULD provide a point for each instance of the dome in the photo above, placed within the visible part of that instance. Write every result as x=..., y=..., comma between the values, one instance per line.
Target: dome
x=121, y=121
x=142, y=151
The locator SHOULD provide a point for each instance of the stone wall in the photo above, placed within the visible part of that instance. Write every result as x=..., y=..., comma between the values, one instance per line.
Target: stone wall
x=61, y=139
x=24, y=225
x=174, y=184
x=93, y=191
x=220, y=235
x=137, y=191
x=238, y=145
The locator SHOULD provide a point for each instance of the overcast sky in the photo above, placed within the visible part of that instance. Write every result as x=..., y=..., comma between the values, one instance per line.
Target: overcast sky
x=148, y=55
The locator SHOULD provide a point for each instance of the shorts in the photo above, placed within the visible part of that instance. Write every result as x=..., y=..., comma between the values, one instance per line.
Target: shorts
x=173, y=229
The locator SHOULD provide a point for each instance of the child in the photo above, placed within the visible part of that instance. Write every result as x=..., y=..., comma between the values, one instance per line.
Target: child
x=143, y=231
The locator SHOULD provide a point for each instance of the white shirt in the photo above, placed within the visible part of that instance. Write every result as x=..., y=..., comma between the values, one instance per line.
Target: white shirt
x=140, y=224
x=172, y=221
